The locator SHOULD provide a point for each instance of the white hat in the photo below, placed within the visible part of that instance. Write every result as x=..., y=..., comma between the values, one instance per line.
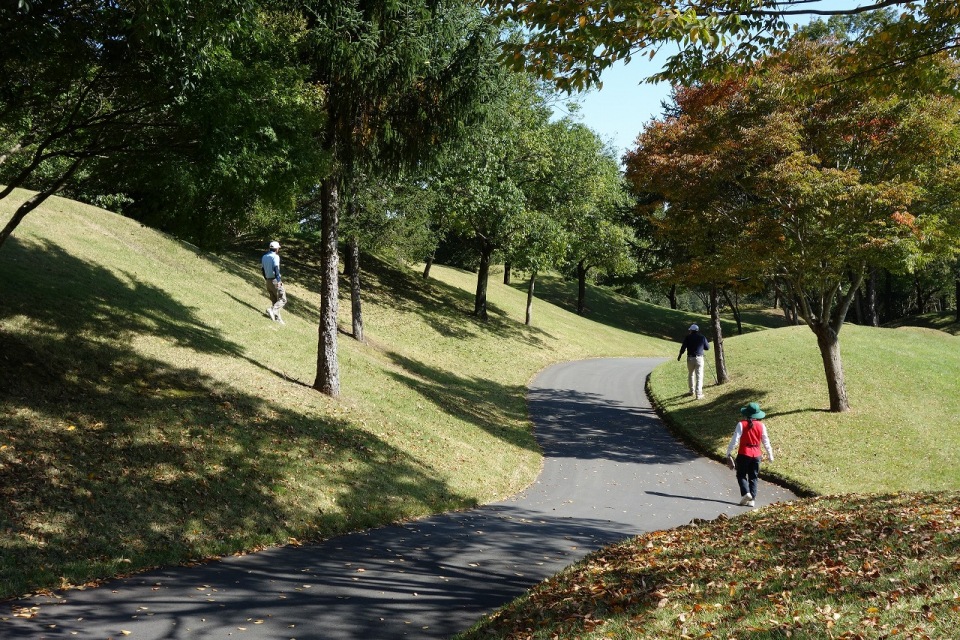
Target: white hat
x=693, y=327
x=274, y=245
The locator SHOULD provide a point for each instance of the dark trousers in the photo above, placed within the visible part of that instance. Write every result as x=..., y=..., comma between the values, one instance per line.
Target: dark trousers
x=748, y=470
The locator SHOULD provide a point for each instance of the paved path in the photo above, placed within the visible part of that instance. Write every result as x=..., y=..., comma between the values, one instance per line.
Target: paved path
x=611, y=471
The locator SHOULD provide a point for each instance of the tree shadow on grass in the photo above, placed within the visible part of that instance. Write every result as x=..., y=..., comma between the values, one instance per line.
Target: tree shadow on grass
x=443, y=307
x=488, y=405
x=70, y=296
x=721, y=406
x=112, y=462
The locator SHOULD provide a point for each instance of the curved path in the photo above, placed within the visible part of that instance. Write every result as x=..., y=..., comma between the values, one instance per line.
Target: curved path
x=611, y=471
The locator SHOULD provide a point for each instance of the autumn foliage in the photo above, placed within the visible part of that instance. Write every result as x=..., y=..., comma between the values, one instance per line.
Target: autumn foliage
x=850, y=567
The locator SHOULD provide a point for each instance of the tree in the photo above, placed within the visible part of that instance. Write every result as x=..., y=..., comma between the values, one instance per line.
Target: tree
x=571, y=42
x=87, y=82
x=398, y=78
x=489, y=182
x=243, y=149
x=810, y=189
x=589, y=195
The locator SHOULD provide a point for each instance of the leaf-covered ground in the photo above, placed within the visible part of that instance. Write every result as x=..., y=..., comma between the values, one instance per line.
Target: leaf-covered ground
x=855, y=567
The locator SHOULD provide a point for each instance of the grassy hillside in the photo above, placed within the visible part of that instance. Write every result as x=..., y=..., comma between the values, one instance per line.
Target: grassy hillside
x=900, y=435
x=608, y=307
x=942, y=321
x=152, y=413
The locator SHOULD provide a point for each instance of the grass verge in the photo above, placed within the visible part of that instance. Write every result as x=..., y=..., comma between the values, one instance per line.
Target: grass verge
x=900, y=434
x=869, y=566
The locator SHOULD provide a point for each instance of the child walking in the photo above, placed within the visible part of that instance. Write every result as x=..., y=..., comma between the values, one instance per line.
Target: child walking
x=749, y=434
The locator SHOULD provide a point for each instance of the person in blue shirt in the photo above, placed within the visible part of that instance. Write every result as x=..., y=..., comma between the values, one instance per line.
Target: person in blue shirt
x=694, y=344
x=270, y=264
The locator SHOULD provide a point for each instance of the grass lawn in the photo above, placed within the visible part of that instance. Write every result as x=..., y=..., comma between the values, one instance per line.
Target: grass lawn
x=944, y=321
x=151, y=414
x=903, y=389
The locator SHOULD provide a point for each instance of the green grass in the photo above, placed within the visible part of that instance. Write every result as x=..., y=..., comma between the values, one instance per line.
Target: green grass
x=150, y=413
x=870, y=566
x=900, y=434
x=942, y=321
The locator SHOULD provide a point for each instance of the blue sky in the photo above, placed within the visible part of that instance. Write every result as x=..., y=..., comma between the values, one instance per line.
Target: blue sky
x=626, y=102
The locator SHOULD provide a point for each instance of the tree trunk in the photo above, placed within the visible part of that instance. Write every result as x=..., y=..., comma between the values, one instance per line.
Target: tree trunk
x=356, y=307
x=719, y=360
x=328, y=369
x=829, y=343
x=426, y=269
x=34, y=201
x=672, y=296
x=956, y=298
x=530, y=285
x=870, y=299
x=483, y=274
x=581, y=287
x=735, y=307
x=506, y=273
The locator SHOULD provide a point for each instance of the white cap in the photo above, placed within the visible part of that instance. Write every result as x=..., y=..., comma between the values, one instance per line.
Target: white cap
x=274, y=245
x=693, y=327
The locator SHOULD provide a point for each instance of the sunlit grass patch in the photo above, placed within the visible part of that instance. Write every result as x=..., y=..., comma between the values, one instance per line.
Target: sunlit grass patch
x=900, y=433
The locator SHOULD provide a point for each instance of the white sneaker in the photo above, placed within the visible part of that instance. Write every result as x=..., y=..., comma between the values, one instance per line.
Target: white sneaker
x=751, y=503
x=279, y=319
x=746, y=500
x=270, y=312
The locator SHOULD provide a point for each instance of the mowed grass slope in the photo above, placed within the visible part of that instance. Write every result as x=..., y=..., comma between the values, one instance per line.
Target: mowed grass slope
x=901, y=434
x=151, y=414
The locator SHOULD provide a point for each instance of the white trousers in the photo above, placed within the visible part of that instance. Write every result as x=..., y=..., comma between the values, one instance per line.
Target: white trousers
x=695, y=368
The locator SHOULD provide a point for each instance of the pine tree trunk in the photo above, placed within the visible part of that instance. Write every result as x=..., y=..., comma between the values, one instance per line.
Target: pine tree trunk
x=426, y=269
x=581, y=287
x=719, y=359
x=483, y=275
x=829, y=343
x=530, y=285
x=506, y=273
x=328, y=369
x=356, y=307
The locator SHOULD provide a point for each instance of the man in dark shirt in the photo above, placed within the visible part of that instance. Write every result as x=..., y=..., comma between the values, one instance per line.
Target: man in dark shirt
x=694, y=344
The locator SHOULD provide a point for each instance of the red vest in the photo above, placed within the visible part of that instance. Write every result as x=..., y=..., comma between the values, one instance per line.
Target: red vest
x=750, y=438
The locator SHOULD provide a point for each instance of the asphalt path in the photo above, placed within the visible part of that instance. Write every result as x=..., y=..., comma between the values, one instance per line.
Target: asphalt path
x=611, y=470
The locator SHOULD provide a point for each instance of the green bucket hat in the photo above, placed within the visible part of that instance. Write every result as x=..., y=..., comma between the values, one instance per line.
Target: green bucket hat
x=752, y=410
